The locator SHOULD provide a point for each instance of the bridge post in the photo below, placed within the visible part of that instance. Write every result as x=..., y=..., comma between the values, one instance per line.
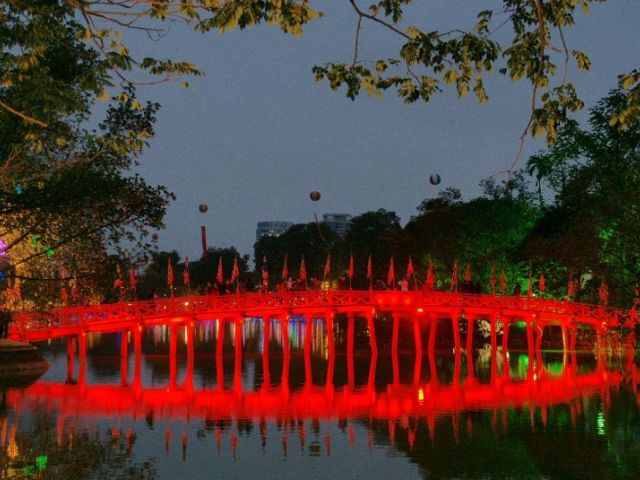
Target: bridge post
x=394, y=336
x=350, y=335
x=237, y=366
x=82, y=357
x=219, y=348
x=372, y=332
x=494, y=345
x=417, y=368
x=266, y=337
x=173, y=348
x=417, y=339
x=332, y=349
x=286, y=346
x=71, y=358
x=308, y=377
x=455, y=324
x=506, y=321
x=124, y=357
x=432, y=333
x=137, y=349
x=529, y=328
x=190, y=332
x=470, y=326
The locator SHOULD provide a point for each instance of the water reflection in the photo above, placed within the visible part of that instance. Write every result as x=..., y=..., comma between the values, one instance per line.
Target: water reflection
x=236, y=400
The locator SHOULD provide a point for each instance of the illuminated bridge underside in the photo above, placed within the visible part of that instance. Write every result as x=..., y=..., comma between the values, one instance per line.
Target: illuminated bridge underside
x=422, y=307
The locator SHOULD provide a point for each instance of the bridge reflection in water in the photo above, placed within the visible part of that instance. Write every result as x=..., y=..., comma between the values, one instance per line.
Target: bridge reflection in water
x=401, y=394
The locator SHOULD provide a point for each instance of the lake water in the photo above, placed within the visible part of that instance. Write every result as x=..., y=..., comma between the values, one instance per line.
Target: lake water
x=262, y=412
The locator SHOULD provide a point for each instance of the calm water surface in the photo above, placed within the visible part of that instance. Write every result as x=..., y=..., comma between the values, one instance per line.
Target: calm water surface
x=332, y=414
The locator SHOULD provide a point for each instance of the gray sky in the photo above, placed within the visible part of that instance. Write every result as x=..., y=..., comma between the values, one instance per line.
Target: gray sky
x=254, y=136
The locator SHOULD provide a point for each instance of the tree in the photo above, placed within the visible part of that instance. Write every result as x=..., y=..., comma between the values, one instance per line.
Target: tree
x=427, y=60
x=595, y=224
x=66, y=194
x=486, y=232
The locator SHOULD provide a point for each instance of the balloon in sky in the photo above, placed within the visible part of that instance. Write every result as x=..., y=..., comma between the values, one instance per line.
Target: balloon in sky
x=315, y=196
x=434, y=179
x=203, y=207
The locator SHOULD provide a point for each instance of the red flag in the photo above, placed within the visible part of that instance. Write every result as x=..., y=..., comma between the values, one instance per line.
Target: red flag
x=571, y=288
x=530, y=288
x=265, y=269
x=369, y=268
x=235, y=273
x=603, y=292
x=391, y=275
x=410, y=270
x=169, y=272
x=285, y=267
x=492, y=280
x=327, y=267
x=186, y=280
x=467, y=273
x=203, y=235
x=351, y=267
x=430, y=280
x=541, y=284
x=503, y=281
x=64, y=296
x=303, y=269
x=132, y=279
x=454, y=276
x=220, y=276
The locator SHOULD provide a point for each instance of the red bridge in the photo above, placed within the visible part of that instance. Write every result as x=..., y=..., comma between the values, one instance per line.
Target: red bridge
x=421, y=308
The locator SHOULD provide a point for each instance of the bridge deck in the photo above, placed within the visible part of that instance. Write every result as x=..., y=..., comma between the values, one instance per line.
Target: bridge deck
x=420, y=305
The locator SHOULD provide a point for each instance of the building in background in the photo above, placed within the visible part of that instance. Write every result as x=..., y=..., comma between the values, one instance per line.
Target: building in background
x=338, y=222
x=272, y=229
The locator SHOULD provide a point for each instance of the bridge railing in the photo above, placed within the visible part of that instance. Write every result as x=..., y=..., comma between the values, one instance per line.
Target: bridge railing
x=308, y=301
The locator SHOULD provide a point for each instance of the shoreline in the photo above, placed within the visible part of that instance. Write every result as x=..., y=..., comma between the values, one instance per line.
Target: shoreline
x=19, y=359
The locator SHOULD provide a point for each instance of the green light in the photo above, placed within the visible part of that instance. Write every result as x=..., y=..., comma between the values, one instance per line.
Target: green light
x=600, y=422
x=555, y=368
x=41, y=462
x=521, y=324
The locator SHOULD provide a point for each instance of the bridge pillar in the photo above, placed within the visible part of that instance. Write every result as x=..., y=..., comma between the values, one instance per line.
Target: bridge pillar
x=308, y=375
x=505, y=334
x=82, y=357
x=417, y=338
x=137, y=349
x=372, y=332
x=529, y=328
x=286, y=346
x=565, y=336
x=417, y=368
x=190, y=333
x=351, y=318
x=219, y=348
x=266, y=337
x=432, y=334
x=470, y=329
x=395, y=333
x=71, y=358
x=494, y=345
x=173, y=348
x=237, y=366
x=332, y=349
x=219, y=336
x=124, y=357
x=455, y=324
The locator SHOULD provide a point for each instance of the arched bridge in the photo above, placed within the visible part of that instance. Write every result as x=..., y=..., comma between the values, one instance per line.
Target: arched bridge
x=420, y=307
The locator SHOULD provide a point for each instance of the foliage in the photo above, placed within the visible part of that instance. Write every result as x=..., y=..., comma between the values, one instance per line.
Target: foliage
x=427, y=60
x=66, y=194
x=595, y=224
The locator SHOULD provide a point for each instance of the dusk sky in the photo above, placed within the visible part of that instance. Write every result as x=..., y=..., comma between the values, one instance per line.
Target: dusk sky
x=255, y=135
